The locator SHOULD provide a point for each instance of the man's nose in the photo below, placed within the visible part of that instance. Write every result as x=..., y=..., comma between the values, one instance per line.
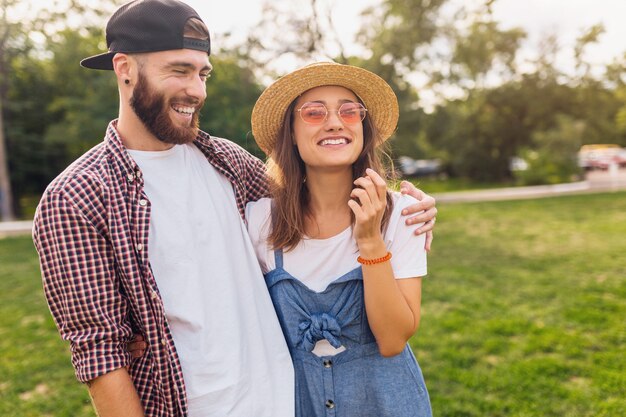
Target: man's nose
x=197, y=88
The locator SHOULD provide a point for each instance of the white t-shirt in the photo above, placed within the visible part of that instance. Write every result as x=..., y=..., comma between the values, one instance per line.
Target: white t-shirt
x=233, y=354
x=318, y=262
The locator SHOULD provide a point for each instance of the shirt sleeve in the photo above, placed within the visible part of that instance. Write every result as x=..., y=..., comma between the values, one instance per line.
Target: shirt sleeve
x=80, y=285
x=256, y=178
x=408, y=254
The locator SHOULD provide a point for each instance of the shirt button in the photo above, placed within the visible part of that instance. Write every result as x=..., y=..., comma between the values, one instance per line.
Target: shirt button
x=154, y=295
x=163, y=342
x=140, y=247
x=330, y=404
x=328, y=363
x=143, y=202
x=130, y=177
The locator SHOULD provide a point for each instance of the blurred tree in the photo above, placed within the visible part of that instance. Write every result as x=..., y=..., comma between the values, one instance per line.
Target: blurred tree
x=80, y=110
x=232, y=91
x=552, y=158
x=482, y=49
x=9, y=31
x=58, y=110
x=616, y=77
x=26, y=32
x=300, y=31
x=398, y=34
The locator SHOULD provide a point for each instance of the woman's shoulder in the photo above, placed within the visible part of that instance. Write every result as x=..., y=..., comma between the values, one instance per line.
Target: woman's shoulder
x=401, y=201
x=396, y=223
x=255, y=208
x=257, y=215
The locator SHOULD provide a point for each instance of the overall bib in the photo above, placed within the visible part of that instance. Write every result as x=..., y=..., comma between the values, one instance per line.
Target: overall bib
x=357, y=382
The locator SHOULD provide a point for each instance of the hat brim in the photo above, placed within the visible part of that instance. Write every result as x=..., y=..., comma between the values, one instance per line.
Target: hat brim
x=377, y=96
x=101, y=61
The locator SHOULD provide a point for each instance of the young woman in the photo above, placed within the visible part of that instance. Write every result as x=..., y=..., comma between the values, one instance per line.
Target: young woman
x=343, y=270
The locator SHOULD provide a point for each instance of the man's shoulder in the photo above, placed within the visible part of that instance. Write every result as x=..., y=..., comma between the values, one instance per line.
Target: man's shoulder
x=230, y=148
x=87, y=173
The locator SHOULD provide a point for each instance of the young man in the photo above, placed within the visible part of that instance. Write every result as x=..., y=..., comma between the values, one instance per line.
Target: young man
x=145, y=234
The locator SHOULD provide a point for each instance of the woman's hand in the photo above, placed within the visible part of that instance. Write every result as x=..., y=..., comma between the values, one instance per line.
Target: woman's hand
x=368, y=205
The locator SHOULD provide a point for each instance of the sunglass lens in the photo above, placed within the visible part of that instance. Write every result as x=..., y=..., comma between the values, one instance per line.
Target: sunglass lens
x=352, y=112
x=313, y=113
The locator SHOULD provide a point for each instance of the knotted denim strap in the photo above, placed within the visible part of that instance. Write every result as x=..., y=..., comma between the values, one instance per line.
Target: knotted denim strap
x=318, y=327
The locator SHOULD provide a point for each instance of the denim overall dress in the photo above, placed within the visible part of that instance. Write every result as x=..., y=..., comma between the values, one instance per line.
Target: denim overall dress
x=358, y=382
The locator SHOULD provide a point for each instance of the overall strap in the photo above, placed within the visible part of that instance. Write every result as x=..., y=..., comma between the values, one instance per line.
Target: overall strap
x=278, y=258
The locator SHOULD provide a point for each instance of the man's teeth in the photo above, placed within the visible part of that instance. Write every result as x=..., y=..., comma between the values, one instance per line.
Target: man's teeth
x=339, y=141
x=185, y=110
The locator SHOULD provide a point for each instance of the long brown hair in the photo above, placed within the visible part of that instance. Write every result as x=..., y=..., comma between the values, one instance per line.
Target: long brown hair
x=287, y=175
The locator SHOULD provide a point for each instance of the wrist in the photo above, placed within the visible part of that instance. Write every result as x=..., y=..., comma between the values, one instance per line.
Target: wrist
x=374, y=261
x=372, y=248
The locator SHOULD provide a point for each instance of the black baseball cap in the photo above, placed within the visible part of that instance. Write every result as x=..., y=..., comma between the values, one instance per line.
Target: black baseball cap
x=147, y=26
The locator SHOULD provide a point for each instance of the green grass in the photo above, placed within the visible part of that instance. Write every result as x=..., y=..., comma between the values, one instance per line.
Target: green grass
x=524, y=308
x=523, y=315
x=36, y=377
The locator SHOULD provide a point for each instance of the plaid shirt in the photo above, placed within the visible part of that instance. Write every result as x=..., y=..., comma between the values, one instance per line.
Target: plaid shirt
x=91, y=233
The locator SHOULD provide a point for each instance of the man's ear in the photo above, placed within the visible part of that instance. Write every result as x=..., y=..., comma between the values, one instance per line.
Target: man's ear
x=122, y=65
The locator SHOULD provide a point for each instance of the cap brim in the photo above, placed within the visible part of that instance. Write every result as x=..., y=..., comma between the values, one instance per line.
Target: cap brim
x=100, y=62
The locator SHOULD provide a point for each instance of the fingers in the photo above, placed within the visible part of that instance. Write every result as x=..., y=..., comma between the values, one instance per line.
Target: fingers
x=356, y=209
x=363, y=197
x=426, y=227
x=374, y=184
x=369, y=200
x=137, y=346
x=429, y=241
x=379, y=183
x=426, y=203
x=425, y=217
x=409, y=188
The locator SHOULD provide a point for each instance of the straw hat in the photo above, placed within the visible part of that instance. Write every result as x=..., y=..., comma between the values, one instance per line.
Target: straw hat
x=376, y=94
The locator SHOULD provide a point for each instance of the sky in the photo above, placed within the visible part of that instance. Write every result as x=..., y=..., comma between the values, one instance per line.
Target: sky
x=566, y=18
x=539, y=18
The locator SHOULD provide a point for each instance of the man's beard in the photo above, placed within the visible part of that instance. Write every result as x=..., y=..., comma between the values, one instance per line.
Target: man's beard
x=149, y=105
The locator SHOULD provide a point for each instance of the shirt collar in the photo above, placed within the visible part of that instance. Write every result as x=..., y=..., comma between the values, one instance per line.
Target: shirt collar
x=118, y=150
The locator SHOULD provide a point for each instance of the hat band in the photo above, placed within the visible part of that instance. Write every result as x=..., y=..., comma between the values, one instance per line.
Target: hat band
x=197, y=44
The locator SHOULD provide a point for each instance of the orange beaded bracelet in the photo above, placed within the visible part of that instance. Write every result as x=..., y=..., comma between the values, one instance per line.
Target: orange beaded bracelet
x=375, y=260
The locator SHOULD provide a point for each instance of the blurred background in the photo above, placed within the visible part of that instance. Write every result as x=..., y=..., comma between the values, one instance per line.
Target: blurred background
x=525, y=302
x=491, y=91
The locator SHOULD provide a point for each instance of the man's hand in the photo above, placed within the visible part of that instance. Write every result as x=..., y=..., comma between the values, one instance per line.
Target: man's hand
x=426, y=206
x=137, y=347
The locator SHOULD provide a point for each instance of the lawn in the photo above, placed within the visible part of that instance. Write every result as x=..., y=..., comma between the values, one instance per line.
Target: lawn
x=523, y=315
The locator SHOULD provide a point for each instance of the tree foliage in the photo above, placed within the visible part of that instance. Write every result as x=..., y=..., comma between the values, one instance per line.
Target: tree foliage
x=465, y=95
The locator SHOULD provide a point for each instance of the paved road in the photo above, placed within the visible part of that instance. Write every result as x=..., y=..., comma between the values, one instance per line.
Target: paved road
x=597, y=181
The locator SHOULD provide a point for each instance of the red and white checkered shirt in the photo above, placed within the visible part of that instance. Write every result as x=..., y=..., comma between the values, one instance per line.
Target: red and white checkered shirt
x=91, y=233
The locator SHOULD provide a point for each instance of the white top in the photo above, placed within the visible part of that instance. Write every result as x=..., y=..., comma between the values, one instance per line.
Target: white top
x=233, y=354
x=318, y=262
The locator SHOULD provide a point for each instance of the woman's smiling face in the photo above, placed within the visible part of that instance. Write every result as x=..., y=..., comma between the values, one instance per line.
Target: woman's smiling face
x=333, y=142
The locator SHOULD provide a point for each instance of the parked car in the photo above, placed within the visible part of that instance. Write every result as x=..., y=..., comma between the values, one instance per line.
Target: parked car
x=410, y=167
x=601, y=156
